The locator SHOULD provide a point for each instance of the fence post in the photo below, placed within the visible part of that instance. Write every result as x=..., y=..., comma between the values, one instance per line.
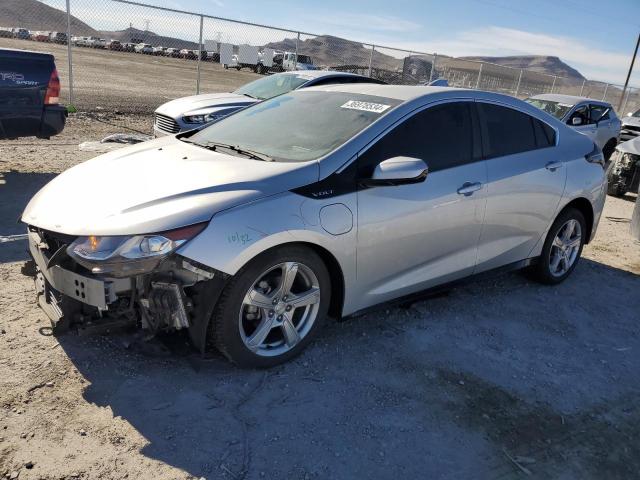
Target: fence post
x=433, y=67
x=553, y=85
x=479, y=75
x=295, y=63
x=625, y=102
x=199, y=55
x=604, y=95
x=373, y=48
x=518, y=84
x=69, y=53
x=584, y=80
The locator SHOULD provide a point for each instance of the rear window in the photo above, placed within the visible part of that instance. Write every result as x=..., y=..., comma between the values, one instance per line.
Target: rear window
x=508, y=131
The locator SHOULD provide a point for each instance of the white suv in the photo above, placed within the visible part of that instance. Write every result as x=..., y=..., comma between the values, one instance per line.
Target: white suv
x=594, y=118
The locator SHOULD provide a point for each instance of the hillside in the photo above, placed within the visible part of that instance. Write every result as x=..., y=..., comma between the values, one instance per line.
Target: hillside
x=35, y=15
x=329, y=50
x=543, y=64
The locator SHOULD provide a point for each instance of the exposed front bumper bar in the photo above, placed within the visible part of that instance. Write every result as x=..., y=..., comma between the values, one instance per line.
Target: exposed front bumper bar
x=90, y=291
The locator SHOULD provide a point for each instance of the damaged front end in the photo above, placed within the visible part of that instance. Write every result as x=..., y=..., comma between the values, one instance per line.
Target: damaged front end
x=99, y=284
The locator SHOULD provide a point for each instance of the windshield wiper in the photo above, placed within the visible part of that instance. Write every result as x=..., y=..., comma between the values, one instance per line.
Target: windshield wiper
x=235, y=148
x=250, y=96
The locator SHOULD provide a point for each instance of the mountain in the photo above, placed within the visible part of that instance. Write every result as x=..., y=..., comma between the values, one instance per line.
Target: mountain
x=134, y=35
x=544, y=64
x=330, y=50
x=35, y=15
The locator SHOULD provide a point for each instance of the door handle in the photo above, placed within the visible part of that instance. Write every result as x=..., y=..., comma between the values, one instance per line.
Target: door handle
x=468, y=188
x=553, y=166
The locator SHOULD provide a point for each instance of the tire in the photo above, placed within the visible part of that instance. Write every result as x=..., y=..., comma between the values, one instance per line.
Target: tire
x=543, y=271
x=608, y=149
x=613, y=186
x=235, y=324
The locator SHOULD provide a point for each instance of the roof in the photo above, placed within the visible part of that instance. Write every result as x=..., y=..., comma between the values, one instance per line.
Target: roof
x=399, y=92
x=568, y=99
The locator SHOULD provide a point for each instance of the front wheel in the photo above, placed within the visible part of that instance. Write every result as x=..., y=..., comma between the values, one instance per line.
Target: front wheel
x=614, y=186
x=272, y=308
x=562, y=248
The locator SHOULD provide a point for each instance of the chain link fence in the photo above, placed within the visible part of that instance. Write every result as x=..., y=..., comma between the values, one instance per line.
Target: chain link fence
x=122, y=57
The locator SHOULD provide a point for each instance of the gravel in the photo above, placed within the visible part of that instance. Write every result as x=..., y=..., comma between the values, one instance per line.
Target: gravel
x=481, y=382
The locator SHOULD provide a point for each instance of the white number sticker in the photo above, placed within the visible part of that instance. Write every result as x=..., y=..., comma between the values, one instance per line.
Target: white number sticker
x=365, y=106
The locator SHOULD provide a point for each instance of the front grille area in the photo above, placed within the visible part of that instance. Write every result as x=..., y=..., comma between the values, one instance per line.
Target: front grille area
x=166, y=123
x=631, y=127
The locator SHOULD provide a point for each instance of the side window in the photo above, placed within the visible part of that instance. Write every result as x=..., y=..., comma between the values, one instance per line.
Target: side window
x=442, y=136
x=596, y=113
x=506, y=131
x=582, y=113
x=545, y=135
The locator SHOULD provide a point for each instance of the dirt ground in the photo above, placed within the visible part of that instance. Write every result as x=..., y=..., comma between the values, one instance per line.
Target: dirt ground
x=502, y=378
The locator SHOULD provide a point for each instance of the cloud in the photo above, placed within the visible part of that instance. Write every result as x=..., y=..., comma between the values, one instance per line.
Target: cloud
x=366, y=22
x=594, y=63
x=218, y=3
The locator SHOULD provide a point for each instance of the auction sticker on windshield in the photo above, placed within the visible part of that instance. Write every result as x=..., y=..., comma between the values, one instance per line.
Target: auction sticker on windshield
x=365, y=106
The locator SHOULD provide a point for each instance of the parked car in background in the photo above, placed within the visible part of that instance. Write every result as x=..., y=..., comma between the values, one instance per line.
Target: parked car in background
x=129, y=47
x=159, y=50
x=250, y=232
x=59, y=37
x=199, y=110
x=97, y=42
x=630, y=126
x=172, y=52
x=624, y=171
x=144, y=48
x=594, y=118
x=21, y=33
x=188, y=54
x=114, y=45
x=29, y=95
x=40, y=36
x=6, y=32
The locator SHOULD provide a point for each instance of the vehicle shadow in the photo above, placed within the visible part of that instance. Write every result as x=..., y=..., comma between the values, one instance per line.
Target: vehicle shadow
x=369, y=395
x=16, y=189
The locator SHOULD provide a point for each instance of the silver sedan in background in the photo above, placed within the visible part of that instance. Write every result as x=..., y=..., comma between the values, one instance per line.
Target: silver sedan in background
x=320, y=202
x=197, y=111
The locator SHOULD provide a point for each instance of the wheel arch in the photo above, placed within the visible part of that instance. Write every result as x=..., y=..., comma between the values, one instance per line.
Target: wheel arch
x=583, y=206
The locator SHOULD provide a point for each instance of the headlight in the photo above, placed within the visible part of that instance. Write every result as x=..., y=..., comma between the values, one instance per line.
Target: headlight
x=202, y=118
x=123, y=256
x=627, y=160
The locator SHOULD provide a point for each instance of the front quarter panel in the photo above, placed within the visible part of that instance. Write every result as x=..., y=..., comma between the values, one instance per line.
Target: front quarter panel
x=235, y=236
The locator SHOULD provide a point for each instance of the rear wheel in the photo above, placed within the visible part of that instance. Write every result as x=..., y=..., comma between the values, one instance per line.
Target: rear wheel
x=272, y=308
x=562, y=248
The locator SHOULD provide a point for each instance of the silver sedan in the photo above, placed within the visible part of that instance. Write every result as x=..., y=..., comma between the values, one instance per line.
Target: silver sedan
x=320, y=202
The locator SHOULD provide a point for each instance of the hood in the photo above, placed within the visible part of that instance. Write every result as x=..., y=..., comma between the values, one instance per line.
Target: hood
x=630, y=146
x=635, y=121
x=179, y=106
x=155, y=186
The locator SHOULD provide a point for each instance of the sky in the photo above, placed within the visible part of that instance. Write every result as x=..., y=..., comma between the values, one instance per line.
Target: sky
x=597, y=37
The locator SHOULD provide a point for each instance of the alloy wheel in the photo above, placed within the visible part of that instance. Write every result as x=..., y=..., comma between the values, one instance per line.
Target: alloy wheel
x=565, y=248
x=279, y=309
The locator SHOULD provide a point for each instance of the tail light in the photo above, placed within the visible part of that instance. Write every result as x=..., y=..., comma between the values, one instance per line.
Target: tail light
x=52, y=97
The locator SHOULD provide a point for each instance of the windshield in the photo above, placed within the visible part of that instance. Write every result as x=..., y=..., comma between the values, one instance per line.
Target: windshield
x=557, y=109
x=298, y=126
x=272, y=86
x=636, y=114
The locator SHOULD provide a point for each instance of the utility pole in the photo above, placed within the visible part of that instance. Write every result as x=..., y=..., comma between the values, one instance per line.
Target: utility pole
x=626, y=83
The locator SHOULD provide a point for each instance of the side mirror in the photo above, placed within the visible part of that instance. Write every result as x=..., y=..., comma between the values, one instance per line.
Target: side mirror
x=398, y=171
x=575, y=121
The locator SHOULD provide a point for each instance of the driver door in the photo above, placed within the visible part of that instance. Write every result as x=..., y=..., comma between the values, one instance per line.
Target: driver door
x=414, y=236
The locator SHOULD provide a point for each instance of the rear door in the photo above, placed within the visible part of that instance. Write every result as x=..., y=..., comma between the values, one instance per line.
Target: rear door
x=606, y=128
x=526, y=180
x=587, y=127
x=23, y=82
